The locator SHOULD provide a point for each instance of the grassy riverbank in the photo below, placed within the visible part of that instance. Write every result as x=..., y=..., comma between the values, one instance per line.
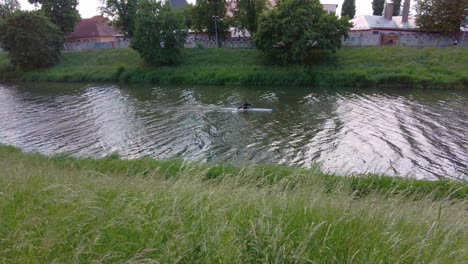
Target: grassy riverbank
x=430, y=67
x=64, y=209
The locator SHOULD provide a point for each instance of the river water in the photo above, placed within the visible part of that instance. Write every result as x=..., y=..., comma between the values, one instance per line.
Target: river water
x=409, y=133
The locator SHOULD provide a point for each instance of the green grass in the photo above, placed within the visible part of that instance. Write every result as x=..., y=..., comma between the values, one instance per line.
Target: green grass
x=69, y=210
x=409, y=67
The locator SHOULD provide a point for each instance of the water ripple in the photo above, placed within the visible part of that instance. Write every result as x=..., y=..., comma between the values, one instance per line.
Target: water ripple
x=419, y=133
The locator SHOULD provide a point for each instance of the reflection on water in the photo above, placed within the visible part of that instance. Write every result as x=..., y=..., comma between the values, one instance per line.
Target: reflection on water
x=415, y=133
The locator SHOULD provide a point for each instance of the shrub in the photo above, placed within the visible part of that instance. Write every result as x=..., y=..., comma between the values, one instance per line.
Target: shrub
x=159, y=33
x=292, y=31
x=32, y=41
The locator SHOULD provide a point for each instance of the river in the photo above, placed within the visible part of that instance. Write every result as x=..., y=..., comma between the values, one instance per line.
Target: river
x=401, y=132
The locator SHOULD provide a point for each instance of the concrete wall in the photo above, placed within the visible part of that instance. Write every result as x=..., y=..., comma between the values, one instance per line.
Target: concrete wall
x=85, y=46
x=373, y=38
x=93, y=39
x=234, y=43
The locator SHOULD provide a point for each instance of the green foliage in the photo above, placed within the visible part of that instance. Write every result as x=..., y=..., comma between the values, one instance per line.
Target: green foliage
x=159, y=34
x=396, y=7
x=187, y=12
x=396, y=66
x=31, y=40
x=7, y=7
x=295, y=29
x=247, y=13
x=62, y=13
x=204, y=20
x=349, y=8
x=123, y=13
x=377, y=7
x=440, y=16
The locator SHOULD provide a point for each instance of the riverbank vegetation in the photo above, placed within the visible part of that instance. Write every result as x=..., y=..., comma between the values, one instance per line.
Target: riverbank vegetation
x=64, y=209
x=409, y=67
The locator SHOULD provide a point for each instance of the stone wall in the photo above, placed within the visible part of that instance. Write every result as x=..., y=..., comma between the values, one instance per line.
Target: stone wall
x=355, y=39
x=375, y=38
x=86, y=46
x=234, y=43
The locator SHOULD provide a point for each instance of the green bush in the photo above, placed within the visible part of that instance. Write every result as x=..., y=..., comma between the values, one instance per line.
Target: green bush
x=159, y=33
x=295, y=29
x=32, y=41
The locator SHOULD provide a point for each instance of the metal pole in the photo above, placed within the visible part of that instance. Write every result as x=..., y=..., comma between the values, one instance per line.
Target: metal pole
x=216, y=30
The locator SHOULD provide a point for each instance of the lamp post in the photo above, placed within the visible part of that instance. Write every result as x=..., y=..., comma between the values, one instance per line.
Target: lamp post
x=465, y=11
x=216, y=29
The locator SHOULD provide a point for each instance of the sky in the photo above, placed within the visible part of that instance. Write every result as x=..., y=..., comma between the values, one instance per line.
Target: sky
x=88, y=8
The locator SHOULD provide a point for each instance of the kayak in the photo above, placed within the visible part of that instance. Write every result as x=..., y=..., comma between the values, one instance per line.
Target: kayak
x=248, y=109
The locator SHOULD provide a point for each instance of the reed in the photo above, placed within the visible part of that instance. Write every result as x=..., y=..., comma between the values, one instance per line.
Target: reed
x=67, y=210
x=364, y=67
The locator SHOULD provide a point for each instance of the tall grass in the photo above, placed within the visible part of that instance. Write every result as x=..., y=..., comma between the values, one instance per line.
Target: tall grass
x=70, y=210
x=429, y=67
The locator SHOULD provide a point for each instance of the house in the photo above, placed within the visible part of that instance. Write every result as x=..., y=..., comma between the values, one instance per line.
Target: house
x=330, y=8
x=391, y=30
x=178, y=3
x=94, y=29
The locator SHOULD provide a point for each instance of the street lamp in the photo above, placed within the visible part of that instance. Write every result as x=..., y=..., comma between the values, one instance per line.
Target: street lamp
x=216, y=18
x=465, y=11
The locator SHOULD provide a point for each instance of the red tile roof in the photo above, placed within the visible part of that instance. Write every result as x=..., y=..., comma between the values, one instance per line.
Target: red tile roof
x=93, y=27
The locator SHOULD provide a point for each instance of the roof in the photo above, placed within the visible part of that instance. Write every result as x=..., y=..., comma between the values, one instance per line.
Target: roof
x=178, y=3
x=373, y=22
x=93, y=27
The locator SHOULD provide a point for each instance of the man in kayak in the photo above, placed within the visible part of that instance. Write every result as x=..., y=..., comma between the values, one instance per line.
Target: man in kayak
x=245, y=105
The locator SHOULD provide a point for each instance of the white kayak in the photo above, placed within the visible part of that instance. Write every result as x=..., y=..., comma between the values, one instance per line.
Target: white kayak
x=248, y=109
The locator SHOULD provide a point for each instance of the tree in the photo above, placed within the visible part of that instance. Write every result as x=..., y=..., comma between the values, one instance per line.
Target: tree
x=7, y=7
x=378, y=5
x=349, y=8
x=442, y=16
x=159, y=33
x=123, y=14
x=247, y=13
x=295, y=29
x=396, y=7
x=187, y=13
x=209, y=15
x=62, y=13
x=31, y=40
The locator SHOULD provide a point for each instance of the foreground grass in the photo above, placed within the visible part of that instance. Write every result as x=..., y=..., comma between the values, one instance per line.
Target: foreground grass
x=429, y=67
x=70, y=210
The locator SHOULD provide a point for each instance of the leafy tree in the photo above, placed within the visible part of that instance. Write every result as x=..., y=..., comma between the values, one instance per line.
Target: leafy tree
x=187, y=13
x=204, y=17
x=378, y=5
x=159, y=33
x=247, y=13
x=396, y=7
x=7, y=7
x=349, y=8
x=441, y=16
x=295, y=29
x=62, y=13
x=31, y=40
x=123, y=13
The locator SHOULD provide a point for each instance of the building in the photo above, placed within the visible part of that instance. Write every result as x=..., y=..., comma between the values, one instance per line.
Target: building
x=94, y=29
x=388, y=30
x=330, y=8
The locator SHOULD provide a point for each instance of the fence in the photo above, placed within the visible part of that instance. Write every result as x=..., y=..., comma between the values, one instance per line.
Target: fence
x=84, y=46
x=415, y=39
x=354, y=40
x=191, y=42
x=233, y=43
